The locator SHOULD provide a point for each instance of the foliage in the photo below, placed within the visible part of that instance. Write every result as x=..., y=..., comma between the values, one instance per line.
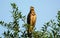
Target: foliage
x=13, y=27
x=50, y=29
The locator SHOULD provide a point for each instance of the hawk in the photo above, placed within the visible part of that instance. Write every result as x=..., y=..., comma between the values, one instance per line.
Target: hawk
x=31, y=19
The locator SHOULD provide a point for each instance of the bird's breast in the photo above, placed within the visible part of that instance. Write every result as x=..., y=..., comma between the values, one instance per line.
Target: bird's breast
x=33, y=19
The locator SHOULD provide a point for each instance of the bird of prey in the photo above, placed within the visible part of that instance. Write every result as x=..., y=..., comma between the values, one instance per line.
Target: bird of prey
x=31, y=19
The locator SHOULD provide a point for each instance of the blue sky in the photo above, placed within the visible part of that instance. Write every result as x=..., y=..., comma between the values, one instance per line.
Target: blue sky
x=45, y=10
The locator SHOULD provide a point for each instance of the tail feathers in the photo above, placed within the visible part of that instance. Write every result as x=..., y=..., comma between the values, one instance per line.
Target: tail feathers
x=30, y=35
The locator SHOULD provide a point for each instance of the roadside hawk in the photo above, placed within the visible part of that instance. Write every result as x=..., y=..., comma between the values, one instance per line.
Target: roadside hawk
x=31, y=19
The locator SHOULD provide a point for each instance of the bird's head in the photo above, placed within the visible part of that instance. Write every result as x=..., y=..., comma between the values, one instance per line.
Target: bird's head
x=32, y=8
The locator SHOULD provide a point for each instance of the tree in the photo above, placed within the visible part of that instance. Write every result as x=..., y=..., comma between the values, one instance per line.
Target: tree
x=14, y=28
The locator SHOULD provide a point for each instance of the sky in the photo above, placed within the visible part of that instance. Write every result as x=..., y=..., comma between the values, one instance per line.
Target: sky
x=45, y=10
